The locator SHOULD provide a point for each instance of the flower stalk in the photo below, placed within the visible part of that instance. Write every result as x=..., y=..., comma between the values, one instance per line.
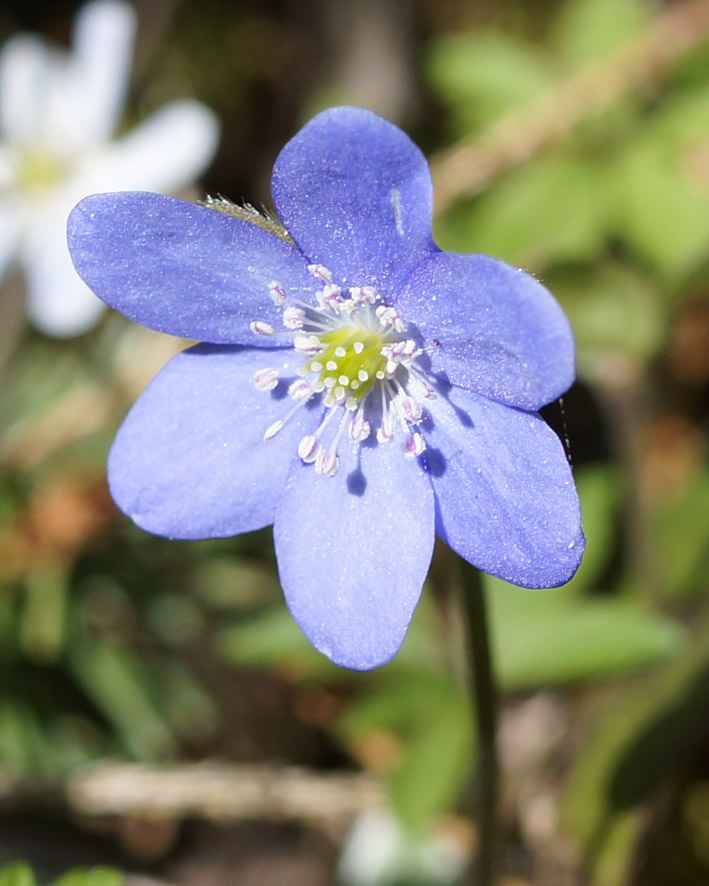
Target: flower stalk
x=485, y=705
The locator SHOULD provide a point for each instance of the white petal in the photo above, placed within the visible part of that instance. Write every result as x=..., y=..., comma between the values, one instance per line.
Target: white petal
x=7, y=168
x=104, y=32
x=165, y=153
x=58, y=302
x=9, y=235
x=24, y=70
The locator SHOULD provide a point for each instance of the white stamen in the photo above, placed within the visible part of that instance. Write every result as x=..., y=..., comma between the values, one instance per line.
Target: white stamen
x=340, y=351
x=359, y=428
x=344, y=380
x=321, y=272
x=293, y=317
x=348, y=307
x=358, y=347
x=330, y=296
x=301, y=390
x=273, y=429
x=421, y=387
x=388, y=316
x=331, y=366
x=260, y=327
x=265, y=379
x=386, y=431
x=363, y=295
x=277, y=293
x=326, y=462
x=407, y=408
x=306, y=344
x=363, y=375
x=414, y=445
x=308, y=448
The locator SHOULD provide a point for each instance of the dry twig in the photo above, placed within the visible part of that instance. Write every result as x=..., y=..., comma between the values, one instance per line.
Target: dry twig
x=221, y=792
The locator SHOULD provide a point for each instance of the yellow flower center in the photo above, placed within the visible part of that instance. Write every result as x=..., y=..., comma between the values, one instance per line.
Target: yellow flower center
x=349, y=359
x=38, y=170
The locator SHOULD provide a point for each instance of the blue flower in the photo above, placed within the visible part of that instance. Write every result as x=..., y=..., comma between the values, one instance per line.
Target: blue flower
x=357, y=387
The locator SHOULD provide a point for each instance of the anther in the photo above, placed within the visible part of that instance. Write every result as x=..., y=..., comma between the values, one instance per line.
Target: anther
x=326, y=462
x=306, y=344
x=301, y=390
x=273, y=429
x=260, y=327
x=359, y=428
x=277, y=293
x=265, y=379
x=385, y=433
x=321, y=272
x=363, y=294
x=330, y=296
x=293, y=317
x=308, y=448
x=414, y=445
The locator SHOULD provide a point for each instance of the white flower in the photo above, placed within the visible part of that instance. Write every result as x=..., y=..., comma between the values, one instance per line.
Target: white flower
x=58, y=113
x=379, y=850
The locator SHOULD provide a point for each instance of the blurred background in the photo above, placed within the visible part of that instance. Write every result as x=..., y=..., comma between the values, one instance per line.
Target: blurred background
x=159, y=710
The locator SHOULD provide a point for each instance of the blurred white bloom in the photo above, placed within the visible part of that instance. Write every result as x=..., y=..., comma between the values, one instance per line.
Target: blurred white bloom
x=379, y=851
x=58, y=112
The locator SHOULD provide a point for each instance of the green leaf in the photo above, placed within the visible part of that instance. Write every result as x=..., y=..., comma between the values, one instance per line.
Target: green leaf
x=271, y=639
x=480, y=76
x=92, y=877
x=611, y=309
x=599, y=490
x=681, y=532
x=550, y=210
x=119, y=687
x=430, y=716
x=17, y=874
x=661, y=212
x=636, y=741
x=434, y=766
x=586, y=30
x=550, y=636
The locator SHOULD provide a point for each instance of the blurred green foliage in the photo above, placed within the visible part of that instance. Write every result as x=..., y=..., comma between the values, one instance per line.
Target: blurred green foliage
x=117, y=644
x=20, y=874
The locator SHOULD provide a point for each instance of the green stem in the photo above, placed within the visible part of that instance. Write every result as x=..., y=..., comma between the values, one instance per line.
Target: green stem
x=485, y=704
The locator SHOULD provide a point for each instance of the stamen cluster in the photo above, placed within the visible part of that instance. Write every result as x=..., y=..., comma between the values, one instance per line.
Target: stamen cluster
x=353, y=344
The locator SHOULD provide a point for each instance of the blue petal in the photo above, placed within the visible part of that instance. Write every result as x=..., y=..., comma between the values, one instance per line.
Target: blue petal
x=491, y=328
x=353, y=551
x=181, y=268
x=190, y=460
x=505, y=497
x=355, y=194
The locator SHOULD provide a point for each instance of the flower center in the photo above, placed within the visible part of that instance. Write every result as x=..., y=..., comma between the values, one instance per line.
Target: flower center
x=37, y=169
x=349, y=362
x=354, y=346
